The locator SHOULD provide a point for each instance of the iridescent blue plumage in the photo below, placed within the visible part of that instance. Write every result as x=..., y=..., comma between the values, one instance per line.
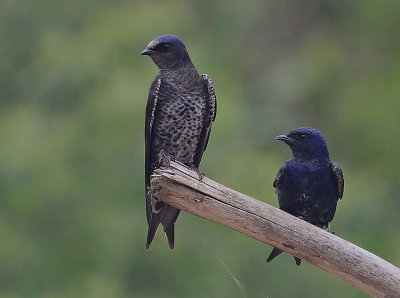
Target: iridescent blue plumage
x=308, y=185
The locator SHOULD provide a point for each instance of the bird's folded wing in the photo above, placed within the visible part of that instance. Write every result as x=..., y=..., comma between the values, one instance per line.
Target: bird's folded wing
x=211, y=112
x=337, y=172
x=150, y=112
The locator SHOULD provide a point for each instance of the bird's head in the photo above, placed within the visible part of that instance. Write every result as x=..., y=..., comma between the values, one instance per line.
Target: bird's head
x=306, y=143
x=167, y=52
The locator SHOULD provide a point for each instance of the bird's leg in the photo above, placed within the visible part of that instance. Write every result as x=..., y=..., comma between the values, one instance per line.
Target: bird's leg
x=152, y=189
x=200, y=173
x=329, y=229
x=164, y=158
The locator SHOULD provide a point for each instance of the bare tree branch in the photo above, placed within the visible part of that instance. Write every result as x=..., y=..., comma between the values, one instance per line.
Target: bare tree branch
x=180, y=186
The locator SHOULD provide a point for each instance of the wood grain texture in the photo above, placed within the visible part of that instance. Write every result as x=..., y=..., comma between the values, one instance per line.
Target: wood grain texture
x=180, y=186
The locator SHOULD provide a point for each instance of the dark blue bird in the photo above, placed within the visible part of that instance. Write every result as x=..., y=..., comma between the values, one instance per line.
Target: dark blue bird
x=181, y=107
x=308, y=185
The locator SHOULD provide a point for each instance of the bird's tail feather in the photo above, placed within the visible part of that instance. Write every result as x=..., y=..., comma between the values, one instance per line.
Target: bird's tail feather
x=170, y=232
x=155, y=221
x=274, y=253
x=168, y=216
x=298, y=260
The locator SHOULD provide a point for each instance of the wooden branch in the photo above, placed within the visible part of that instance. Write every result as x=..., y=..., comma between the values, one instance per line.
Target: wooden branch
x=180, y=186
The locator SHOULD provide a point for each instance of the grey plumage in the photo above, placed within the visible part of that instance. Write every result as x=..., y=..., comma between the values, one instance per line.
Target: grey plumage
x=180, y=110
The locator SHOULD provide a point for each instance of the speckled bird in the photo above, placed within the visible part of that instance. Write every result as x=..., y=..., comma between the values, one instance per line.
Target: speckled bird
x=181, y=108
x=308, y=185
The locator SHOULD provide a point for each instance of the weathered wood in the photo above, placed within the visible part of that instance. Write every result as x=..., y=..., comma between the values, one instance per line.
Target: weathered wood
x=180, y=186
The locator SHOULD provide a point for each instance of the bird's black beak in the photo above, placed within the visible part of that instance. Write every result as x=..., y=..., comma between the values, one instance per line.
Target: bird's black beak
x=285, y=139
x=147, y=52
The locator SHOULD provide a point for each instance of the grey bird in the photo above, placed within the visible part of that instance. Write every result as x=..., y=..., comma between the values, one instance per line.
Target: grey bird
x=180, y=110
x=308, y=185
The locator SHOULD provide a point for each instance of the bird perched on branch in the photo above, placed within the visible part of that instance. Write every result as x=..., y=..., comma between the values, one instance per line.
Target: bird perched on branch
x=308, y=185
x=180, y=110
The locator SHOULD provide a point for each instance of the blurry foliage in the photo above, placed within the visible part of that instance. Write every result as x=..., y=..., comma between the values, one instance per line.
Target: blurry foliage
x=73, y=91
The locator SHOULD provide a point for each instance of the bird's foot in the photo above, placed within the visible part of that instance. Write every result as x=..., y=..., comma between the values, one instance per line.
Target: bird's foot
x=201, y=174
x=154, y=189
x=165, y=158
x=328, y=227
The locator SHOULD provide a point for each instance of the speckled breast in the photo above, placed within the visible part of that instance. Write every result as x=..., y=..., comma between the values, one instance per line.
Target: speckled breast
x=179, y=122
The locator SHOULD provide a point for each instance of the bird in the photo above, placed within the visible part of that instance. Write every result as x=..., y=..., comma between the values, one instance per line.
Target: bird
x=309, y=185
x=180, y=111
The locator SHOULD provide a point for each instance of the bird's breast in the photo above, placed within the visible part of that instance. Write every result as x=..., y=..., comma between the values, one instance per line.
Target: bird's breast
x=180, y=121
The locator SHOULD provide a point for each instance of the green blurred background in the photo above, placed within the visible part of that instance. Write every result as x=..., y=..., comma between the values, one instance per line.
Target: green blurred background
x=73, y=94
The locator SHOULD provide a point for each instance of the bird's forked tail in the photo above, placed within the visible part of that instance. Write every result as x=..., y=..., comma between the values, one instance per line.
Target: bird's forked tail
x=276, y=252
x=167, y=216
x=155, y=221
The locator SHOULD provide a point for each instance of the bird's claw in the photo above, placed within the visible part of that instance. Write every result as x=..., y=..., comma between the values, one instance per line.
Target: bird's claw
x=165, y=158
x=152, y=190
x=200, y=173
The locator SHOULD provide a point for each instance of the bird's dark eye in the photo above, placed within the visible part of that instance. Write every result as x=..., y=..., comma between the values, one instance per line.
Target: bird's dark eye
x=162, y=47
x=300, y=136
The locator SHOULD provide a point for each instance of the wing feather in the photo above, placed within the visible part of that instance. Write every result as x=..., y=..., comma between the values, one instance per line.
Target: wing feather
x=212, y=98
x=150, y=113
x=209, y=119
x=338, y=174
x=278, y=178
